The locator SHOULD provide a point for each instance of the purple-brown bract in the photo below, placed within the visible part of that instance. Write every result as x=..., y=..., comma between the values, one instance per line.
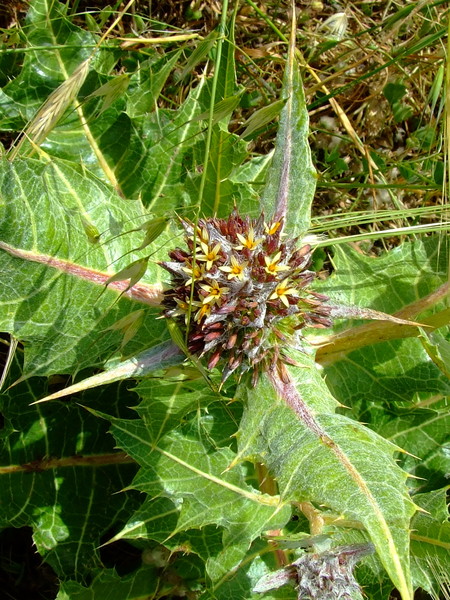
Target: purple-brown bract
x=241, y=290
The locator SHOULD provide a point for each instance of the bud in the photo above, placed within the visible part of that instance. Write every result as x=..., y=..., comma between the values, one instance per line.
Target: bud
x=324, y=576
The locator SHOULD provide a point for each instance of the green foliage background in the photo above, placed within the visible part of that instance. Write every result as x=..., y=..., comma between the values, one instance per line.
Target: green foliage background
x=193, y=478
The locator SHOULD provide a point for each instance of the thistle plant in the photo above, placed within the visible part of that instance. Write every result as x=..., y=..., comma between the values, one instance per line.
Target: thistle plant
x=241, y=291
x=305, y=439
x=241, y=295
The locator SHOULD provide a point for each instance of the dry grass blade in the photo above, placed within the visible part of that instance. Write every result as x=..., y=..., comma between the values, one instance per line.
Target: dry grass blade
x=442, y=577
x=53, y=108
x=333, y=347
x=12, y=347
x=133, y=43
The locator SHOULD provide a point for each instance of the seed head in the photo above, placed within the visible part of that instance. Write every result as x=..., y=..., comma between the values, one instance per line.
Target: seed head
x=329, y=576
x=247, y=285
x=324, y=576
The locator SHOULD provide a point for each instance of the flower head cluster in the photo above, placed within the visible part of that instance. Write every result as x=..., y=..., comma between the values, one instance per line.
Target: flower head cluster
x=324, y=576
x=241, y=290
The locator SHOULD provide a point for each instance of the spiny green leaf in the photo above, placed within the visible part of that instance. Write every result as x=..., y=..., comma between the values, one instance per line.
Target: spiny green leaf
x=165, y=404
x=291, y=180
x=142, y=583
x=186, y=468
x=399, y=372
x=430, y=541
x=147, y=83
x=156, y=358
x=358, y=476
x=67, y=496
x=438, y=349
x=422, y=432
x=221, y=151
x=56, y=272
x=157, y=155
